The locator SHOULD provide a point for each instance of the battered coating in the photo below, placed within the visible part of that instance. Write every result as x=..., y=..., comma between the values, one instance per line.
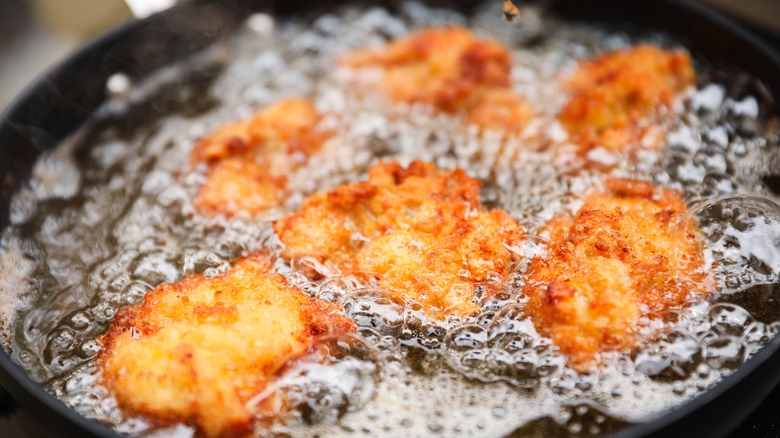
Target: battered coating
x=450, y=69
x=501, y=110
x=196, y=351
x=249, y=161
x=613, y=93
x=421, y=230
x=626, y=253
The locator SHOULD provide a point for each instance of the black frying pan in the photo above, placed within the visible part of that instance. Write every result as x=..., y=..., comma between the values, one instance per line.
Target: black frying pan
x=68, y=97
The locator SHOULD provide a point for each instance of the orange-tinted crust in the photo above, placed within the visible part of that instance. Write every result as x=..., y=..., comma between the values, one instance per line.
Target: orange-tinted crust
x=612, y=93
x=450, y=69
x=249, y=161
x=626, y=253
x=423, y=231
x=501, y=110
x=196, y=351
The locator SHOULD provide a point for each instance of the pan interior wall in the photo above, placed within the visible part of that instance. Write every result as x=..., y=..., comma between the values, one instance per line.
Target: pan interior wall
x=109, y=216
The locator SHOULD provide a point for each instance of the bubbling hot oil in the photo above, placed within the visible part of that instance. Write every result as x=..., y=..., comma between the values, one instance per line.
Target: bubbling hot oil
x=99, y=226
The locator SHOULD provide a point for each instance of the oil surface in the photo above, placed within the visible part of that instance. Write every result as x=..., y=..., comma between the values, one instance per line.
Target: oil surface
x=109, y=216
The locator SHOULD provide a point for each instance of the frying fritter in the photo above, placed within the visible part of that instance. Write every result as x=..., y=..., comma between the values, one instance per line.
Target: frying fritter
x=196, y=351
x=450, y=69
x=421, y=230
x=249, y=161
x=626, y=253
x=613, y=93
x=501, y=110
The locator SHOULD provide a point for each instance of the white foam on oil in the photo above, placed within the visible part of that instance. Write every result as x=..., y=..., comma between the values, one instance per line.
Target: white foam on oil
x=16, y=270
x=131, y=225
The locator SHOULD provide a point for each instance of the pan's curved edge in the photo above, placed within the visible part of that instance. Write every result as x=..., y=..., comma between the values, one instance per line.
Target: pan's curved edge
x=60, y=420
x=29, y=394
x=716, y=37
x=68, y=94
x=26, y=393
x=752, y=381
x=45, y=103
x=713, y=35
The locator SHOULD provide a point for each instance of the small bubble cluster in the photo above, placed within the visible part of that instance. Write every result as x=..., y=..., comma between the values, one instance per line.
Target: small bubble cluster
x=504, y=348
x=95, y=233
x=701, y=339
x=718, y=147
x=339, y=377
x=743, y=240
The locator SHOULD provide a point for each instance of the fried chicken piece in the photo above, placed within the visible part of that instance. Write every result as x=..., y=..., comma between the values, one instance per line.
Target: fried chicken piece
x=249, y=161
x=626, y=253
x=501, y=110
x=196, y=351
x=450, y=69
x=613, y=93
x=421, y=230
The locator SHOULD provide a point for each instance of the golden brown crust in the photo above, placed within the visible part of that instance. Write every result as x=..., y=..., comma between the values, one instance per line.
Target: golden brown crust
x=196, y=351
x=450, y=69
x=249, y=161
x=613, y=92
x=501, y=110
x=626, y=253
x=423, y=231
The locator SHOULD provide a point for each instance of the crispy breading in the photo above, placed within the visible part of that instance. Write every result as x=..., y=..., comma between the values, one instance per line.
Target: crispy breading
x=626, y=253
x=249, y=161
x=421, y=230
x=446, y=67
x=196, y=351
x=450, y=69
x=613, y=93
x=501, y=110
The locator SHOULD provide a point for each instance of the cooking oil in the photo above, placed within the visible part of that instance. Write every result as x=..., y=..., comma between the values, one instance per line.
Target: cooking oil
x=109, y=216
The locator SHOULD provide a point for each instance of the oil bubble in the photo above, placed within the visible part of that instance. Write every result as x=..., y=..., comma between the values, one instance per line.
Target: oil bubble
x=334, y=378
x=668, y=356
x=743, y=240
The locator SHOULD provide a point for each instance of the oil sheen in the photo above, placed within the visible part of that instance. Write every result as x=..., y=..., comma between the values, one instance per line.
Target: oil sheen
x=108, y=215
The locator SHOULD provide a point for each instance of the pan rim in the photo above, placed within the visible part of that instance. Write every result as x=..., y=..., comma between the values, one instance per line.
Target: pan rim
x=17, y=382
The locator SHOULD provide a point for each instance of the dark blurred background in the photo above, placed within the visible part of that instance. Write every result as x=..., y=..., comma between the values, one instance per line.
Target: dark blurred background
x=36, y=34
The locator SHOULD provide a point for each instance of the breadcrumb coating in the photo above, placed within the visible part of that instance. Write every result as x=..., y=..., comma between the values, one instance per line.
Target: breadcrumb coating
x=613, y=93
x=452, y=70
x=196, y=351
x=629, y=252
x=421, y=230
x=501, y=110
x=249, y=161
